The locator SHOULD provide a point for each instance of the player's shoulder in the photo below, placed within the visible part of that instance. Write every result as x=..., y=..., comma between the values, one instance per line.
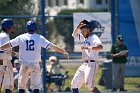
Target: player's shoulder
x=92, y=35
x=42, y=37
x=35, y=35
x=22, y=35
x=25, y=35
x=4, y=35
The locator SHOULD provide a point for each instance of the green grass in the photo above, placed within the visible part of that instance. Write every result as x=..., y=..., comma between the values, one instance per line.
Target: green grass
x=72, y=71
x=131, y=83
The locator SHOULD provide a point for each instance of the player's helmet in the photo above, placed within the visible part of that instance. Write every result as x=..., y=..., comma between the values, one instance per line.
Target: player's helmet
x=31, y=26
x=96, y=27
x=7, y=23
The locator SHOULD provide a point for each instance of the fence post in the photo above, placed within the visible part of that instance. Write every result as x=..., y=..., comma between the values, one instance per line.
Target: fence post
x=43, y=50
x=113, y=28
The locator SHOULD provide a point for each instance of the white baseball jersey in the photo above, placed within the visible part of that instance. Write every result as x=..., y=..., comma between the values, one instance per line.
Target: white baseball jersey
x=4, y=37
x=92, y=40
x=29, y=57
x=87, y=71
x=30, y=46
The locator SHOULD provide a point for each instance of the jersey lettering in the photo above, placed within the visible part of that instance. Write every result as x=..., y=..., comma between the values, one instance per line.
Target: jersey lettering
x=29, y=45
x=86, y=43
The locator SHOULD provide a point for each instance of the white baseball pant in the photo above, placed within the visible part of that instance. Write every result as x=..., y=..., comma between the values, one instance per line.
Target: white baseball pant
x=6, y=75
x=35, y=75
x=85, y=74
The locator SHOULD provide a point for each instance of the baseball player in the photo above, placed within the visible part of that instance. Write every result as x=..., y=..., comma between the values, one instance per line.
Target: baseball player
x=90, y=49
x=6, y=68
x=30, y=45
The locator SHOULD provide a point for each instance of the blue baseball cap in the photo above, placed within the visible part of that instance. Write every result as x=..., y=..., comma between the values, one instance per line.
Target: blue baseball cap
x=94, y=24
x=7, y=23
x=31, y=25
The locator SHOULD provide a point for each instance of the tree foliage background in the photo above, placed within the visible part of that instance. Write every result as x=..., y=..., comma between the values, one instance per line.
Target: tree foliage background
x=64, y=27
x=58, y=30
x=13, y=9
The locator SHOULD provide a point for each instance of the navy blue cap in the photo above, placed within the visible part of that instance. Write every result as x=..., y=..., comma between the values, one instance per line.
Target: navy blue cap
x=85, y=22
x=31, y=25
x=7, y=23
x=94, y=24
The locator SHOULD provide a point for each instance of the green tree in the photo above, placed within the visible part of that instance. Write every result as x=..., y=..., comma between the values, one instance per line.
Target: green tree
x=14, y=8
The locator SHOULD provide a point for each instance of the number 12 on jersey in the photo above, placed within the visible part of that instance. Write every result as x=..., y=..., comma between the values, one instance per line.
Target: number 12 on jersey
x=30, y=45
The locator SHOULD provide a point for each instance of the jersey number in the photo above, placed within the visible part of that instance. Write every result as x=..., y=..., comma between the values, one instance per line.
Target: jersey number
x=30, y=45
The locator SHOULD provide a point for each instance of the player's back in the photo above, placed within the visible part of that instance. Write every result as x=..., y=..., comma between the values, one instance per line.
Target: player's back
x=30, y=46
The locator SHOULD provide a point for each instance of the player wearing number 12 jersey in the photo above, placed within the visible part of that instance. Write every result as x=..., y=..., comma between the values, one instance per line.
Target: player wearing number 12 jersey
x=30, y=45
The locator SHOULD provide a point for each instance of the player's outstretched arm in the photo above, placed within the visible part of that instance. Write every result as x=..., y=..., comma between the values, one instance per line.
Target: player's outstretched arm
x=6, y=45
x=57, y=49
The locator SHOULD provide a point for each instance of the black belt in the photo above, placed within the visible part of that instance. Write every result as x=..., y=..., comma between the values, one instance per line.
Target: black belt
x=86, y=61
x=1, y=51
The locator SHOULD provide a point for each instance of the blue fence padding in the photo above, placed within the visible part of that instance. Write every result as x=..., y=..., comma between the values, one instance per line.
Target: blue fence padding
x=113, y=21
x=43, y=50
x=127, y=27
